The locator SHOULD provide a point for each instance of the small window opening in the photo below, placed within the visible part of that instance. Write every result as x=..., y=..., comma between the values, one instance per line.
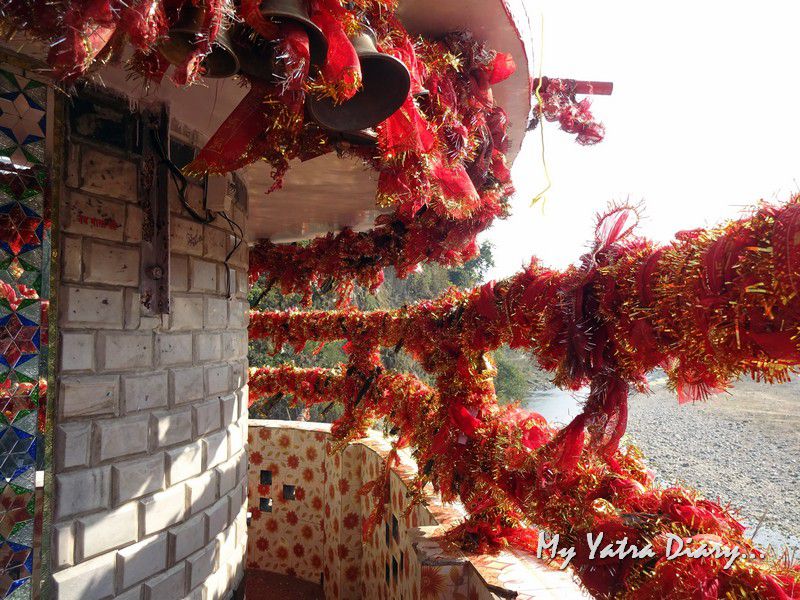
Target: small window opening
x=395, y=529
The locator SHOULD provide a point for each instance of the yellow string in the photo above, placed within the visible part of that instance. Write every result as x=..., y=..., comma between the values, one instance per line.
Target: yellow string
x=541, y=195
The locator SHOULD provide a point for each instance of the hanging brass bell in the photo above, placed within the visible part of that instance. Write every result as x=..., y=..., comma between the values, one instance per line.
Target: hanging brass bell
x=364, y=137
x=256, y=55
x=297, y=11
x=385, y=85
x=184, y=35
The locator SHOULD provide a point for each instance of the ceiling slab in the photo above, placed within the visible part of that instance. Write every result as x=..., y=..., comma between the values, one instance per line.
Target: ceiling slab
x=330, y=193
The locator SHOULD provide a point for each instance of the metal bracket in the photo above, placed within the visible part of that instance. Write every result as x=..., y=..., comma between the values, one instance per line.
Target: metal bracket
x=153, y=174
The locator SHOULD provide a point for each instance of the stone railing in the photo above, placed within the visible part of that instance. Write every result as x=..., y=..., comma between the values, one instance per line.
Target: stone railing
x=307, y=520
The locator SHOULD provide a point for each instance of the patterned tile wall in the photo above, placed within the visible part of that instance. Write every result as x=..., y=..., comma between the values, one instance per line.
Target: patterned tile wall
x=315, y=532
x=24, y=292
x=286, y=495
x=390, y=568
x=316, y=535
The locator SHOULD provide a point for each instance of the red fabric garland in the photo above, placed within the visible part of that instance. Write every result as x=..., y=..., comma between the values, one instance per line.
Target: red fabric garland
x=558, y=103
x=341, y=73
x=629, y=307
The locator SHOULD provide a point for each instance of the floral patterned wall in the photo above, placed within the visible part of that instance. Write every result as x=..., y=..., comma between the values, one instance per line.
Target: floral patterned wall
x=307, y=519
x=25, y=112
x=306, y=514
x=286, y=532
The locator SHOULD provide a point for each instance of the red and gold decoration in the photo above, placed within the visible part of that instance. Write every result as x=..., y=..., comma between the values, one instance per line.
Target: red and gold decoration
x=711, y=306
x=441, y=166
x=556, y=102
x=435, y=136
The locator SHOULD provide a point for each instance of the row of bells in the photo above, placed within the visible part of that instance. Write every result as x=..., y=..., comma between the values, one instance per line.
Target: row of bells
x=385, y=79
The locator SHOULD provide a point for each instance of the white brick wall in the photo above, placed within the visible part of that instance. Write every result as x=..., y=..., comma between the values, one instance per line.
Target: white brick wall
x=108, y=175
x=90, y=580
x=72, y=444
x=184, y=462
x=111, y=264
x=202, y=275
x=218, y=378
x=215, y=449
x=186, y=237
x=163, y=509
x=125, y=351
x=186, y=312
x=116, y=438
x=136, y=478
x=201, y=491
x=63, y=548
x=142, y=560
x=77, y=352
x=89, y=395
x=72, y=267
x=100, y=532
x=82, y=491
x=201, y=565
x=174, y=349
x=188, y=537
x=149, y=460
x=187, y=384
x=95, y=308
x=144, y=392
x=207, y=347
x=172, y=427
x=169, y=585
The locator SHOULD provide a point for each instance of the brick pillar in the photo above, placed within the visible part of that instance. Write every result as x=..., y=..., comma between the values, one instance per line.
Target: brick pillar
x=150, y=472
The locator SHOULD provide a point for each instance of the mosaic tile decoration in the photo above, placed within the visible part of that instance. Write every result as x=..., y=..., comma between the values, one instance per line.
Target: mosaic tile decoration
x=24, y=292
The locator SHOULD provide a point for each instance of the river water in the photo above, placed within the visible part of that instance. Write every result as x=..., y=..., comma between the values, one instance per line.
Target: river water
x=556, y=405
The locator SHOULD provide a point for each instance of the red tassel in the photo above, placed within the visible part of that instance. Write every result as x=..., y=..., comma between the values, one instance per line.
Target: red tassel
x=502, y=68
x=459, y=194
x=465, y=421
x=252, y=16
x=405, y=131
x=74, y=54
x=341, y=73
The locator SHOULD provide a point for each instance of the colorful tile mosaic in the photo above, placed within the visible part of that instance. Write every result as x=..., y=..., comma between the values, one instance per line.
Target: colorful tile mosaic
x=24, y=291
x=23, y=113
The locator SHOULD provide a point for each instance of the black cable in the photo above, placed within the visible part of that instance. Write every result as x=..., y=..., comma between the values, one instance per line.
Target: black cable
x=239, y=239
x=181, y=184
x=180, y=181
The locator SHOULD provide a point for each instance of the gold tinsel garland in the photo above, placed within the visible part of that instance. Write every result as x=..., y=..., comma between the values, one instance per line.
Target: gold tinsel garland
x=711, y=306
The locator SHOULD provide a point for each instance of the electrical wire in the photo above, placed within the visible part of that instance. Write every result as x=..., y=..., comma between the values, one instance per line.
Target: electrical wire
x=541, y=195
x=180, y=181
x=239, y=239
x=181, y=184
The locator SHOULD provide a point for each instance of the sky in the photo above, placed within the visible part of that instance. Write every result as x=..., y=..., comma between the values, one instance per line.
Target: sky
x=703, y=122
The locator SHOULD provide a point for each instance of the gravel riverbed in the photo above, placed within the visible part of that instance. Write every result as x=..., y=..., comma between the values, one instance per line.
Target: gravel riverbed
x=742, y=448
